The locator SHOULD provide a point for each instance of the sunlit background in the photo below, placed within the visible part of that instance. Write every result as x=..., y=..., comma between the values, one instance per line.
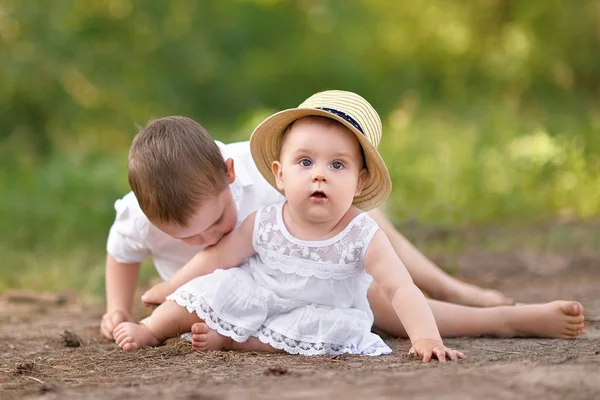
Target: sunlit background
x=490, y=107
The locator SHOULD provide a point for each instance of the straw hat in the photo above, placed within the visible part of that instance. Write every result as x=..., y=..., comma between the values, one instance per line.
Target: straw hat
x=352, y=111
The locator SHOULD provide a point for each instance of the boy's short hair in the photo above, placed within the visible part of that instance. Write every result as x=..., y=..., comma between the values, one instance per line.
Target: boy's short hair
x=174, y=165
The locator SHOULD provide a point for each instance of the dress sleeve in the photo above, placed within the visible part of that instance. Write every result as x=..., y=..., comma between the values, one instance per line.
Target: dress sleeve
x=255, y=233
x=369, y=229
x=127, y=237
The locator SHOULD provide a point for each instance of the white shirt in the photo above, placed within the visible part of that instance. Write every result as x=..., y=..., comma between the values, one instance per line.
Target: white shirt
x=132, y=237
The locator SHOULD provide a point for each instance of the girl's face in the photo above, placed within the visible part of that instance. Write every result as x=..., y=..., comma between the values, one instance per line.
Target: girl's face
x=320, y=170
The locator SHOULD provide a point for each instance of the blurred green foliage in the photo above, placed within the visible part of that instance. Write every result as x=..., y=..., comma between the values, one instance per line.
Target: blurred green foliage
x=490, y=107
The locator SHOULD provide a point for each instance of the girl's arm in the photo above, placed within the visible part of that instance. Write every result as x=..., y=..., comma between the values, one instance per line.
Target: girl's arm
x=229, y=252
x=411, y=306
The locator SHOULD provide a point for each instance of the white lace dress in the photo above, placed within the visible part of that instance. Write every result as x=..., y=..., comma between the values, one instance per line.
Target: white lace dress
x=299, y=296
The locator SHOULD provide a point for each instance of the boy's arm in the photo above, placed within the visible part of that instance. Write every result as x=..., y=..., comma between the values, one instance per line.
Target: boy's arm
x=229, y=252
x=121, y=280
x=411, y=306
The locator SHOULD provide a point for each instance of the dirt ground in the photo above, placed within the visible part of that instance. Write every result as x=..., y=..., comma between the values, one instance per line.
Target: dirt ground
x=35, y=361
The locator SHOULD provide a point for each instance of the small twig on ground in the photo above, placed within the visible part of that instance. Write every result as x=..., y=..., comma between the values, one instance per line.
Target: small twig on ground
x=96, y=365
x=34, y=379
x=111, y=353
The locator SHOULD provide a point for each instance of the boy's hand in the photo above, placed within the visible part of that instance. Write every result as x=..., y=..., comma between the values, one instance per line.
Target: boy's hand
x=110, y=320
x=158, y=293
x=425, y=349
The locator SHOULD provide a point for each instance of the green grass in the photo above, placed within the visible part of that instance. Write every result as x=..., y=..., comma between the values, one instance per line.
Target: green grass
x=56, y=214
x=452, y=169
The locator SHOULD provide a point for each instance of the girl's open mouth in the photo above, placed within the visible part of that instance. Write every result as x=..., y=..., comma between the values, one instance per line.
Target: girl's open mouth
x=318, y=196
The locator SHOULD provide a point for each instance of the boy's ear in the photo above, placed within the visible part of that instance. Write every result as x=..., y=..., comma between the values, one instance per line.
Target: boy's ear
x=363, y=176
x=230, y=170
x=277, y=173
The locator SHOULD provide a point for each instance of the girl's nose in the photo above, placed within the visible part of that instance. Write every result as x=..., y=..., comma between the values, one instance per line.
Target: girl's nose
x=319, y=176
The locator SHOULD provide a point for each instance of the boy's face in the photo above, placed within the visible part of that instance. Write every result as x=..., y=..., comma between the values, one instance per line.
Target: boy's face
x=215, y=218
x=320, y=170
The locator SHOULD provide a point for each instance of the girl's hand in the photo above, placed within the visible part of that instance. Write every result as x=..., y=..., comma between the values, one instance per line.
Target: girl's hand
x=158, y=293
x=426, y=349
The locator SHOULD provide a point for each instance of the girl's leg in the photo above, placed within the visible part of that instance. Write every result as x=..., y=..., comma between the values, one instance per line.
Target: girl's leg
x=558, y=319
x=432, y=279
x=204, y=338
x=166, y=321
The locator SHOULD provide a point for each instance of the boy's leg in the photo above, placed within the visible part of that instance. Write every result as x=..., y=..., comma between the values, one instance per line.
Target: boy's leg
x=167, y=321
x=432, y=279
x=558, y=319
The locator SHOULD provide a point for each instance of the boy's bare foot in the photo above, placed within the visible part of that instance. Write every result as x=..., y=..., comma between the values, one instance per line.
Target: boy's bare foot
x=558, y=319
x=466, y=294
x=204, y=338
x=132, y=336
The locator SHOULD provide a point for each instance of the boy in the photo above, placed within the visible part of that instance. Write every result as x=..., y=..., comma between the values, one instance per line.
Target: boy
x=199, y=190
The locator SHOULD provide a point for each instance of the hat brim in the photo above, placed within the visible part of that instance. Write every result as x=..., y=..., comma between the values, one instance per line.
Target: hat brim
x=265, y=144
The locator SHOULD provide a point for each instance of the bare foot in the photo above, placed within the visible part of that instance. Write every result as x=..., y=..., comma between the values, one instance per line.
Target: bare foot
x=132, y=336
x=470, y=295
x=558, y=319
x=204, y=338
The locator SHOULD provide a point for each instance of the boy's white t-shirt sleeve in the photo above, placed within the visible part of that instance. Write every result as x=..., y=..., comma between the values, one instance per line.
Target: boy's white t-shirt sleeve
x=127, y=237
x=250, y=189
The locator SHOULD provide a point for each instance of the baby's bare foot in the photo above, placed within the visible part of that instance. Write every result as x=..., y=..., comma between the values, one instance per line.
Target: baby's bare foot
x=470, y=295
x=204, y=338
x=132, y=336
x=558, y=319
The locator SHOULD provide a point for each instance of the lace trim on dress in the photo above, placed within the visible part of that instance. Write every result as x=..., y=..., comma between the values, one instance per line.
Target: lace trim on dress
x=196, y=304
x=290, y=265
x=338, y=257
x=292, y=346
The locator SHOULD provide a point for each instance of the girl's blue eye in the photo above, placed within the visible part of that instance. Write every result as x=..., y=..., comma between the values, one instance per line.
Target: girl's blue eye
x=337, y=165
x=305, y=162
